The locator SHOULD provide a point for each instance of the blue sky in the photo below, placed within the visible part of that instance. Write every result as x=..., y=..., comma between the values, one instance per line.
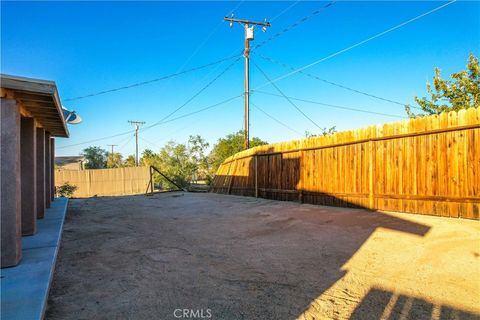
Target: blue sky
x=88, y=47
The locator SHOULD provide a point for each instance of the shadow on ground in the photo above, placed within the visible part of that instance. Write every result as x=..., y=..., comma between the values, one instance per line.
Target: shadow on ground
x=382, y=304
x=244, y=258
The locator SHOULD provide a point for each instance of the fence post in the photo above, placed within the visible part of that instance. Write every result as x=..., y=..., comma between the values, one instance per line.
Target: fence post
x=256, y=176
x=300, y=175
x=151, y=180
x=371, y=173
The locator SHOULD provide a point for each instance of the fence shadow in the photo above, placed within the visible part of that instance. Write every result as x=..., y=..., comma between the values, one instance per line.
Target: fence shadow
x=383, y=304
x=278, y=178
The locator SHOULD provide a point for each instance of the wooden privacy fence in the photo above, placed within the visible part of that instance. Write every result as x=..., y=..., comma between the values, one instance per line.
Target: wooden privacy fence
x=428, y=165
x=105, y=182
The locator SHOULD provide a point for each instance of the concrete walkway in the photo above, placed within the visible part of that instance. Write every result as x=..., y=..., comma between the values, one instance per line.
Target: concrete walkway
x=24, y=288
x=244, y=258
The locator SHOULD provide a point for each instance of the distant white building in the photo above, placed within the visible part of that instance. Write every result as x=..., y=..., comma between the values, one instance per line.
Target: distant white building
x=70, y=163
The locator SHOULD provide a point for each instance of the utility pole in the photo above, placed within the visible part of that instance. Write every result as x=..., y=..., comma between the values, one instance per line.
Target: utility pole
x=137, y=125
x=112, y=145
x=248, y=26
x=111, y=154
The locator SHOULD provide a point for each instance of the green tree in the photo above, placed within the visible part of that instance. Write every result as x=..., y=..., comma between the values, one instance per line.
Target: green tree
x=461, y=92
x=130, y=161
x=95, y=158
x=325, y=132
x=149, y=158
x=114, y=160
x=197, y=148
x=228, y=146
x=174, y=162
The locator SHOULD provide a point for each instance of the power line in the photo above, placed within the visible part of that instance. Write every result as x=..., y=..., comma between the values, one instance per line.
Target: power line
x=95, y=140
x=331, y=82
x=127, y=141
x=332, y=105
x=356, y=44
x=208, y=37
x=201, y=110
x=194, y=96
x=288, y=99
x=295, y=24
x=152, y=80
x=179, y=71
x=285, y=10
x=174, y=119
x=123, y=140
x=151, y=143
x=173, y=133
x=173, y=112
x=276, y=120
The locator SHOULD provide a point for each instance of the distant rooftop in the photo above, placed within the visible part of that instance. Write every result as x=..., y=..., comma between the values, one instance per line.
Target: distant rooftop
x=60, y=161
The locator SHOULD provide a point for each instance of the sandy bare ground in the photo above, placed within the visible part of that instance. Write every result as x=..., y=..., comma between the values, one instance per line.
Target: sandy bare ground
x=244, y=258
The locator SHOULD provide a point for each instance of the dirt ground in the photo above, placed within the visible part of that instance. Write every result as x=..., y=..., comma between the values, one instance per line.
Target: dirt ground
x=229, y=257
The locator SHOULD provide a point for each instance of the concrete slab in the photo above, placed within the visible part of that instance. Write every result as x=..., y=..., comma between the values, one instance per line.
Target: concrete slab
x=24, y=288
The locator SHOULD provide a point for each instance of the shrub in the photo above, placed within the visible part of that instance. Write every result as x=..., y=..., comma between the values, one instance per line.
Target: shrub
x=65, y=190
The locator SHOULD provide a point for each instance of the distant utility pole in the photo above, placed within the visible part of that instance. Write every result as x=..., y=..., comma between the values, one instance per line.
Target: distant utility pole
x=112, y=145
x=137, y=125
x=111, y=154
x=248, y=25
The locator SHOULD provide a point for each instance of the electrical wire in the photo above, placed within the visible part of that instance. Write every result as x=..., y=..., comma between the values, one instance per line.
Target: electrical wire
x=281, y=92
x=193, y=97
x=203, y=109
x=355, y=45
x=202, y=44
x=163, y=78
x=174, y=119
x=95, y=140
x=152, y=80
x=151, y=143
x=285, y=10
x=330, y=82
x=275, y=119
x=239, y=51
x=120, y=143
x=332, y=105
x=179, y=71
x=173, y=133
x=295, y=24
x=256, y=89
x=126, y=143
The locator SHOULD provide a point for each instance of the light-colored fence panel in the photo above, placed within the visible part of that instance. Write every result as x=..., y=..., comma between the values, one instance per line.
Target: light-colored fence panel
x=105, y=182
x=428, y=165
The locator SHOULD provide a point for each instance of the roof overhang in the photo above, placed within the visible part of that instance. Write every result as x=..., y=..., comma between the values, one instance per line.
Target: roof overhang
x=37, y=99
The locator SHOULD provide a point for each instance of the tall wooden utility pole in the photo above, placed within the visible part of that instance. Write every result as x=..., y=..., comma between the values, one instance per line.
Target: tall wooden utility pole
x=137, y=125
x=248, y=25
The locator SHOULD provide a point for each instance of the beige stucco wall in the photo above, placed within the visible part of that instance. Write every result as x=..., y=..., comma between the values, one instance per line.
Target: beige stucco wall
x=105, y=182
